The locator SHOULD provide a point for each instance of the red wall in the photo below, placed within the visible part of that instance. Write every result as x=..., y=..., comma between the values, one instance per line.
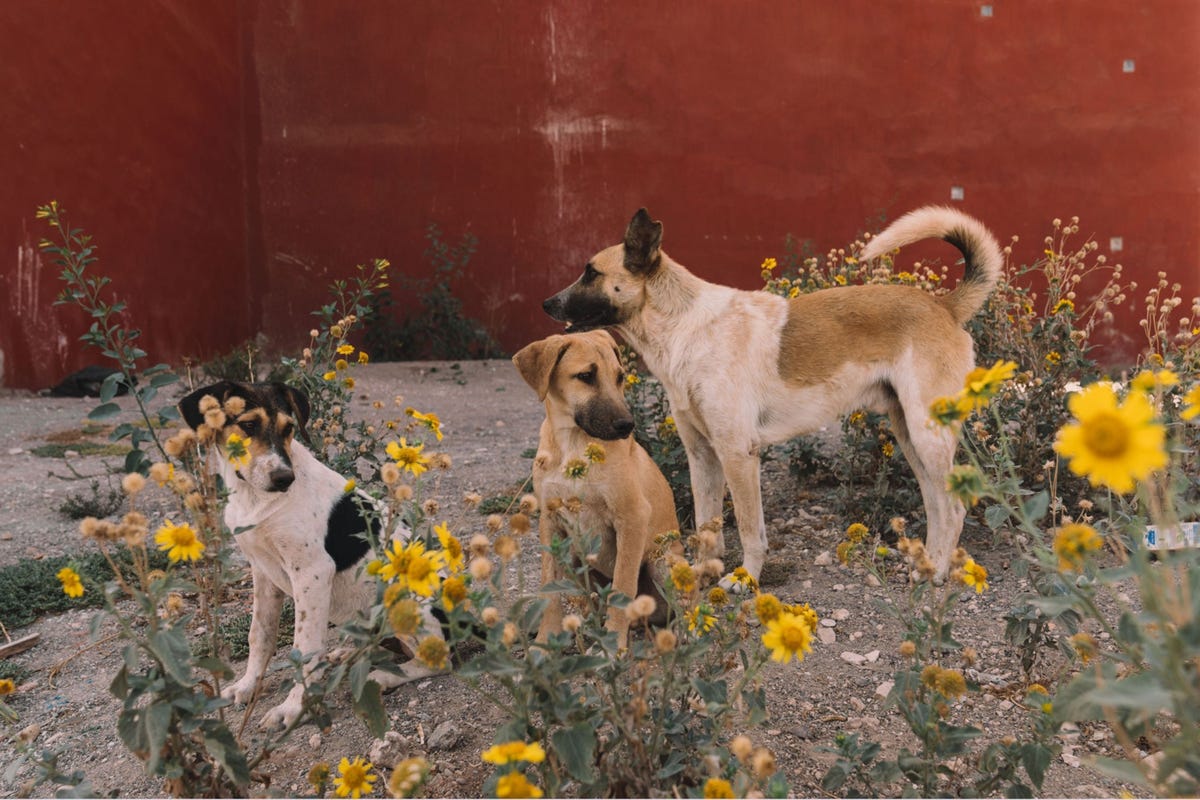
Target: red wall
x=542, y=126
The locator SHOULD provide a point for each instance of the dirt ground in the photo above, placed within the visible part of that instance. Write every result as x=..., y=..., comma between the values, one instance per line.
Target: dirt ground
x=490, y=417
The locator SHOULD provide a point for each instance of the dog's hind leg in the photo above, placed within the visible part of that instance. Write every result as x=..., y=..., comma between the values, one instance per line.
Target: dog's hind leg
x=930, y=449
x=707, y=474
x=264, y=632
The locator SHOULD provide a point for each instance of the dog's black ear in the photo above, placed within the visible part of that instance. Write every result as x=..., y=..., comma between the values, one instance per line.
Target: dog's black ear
x=297, y=401
x=536, y=362
x=189, y=407
x=643, y=238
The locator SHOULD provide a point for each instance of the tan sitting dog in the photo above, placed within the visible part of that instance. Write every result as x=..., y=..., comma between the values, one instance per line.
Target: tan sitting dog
x=743, y=370
x=624, y=498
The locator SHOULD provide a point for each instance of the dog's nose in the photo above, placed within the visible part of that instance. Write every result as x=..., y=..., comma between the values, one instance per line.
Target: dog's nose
x=553, y=307
x=623, y=427
x=281, y=479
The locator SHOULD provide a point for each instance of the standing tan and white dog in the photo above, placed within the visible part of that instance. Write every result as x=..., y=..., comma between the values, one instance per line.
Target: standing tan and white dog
x=747, y=369
x=301, y=531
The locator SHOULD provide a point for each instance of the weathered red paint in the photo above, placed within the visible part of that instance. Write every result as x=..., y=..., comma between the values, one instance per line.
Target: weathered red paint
x=233, y=158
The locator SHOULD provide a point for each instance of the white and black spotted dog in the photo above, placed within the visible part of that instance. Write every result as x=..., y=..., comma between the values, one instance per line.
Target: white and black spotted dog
x=297, y=526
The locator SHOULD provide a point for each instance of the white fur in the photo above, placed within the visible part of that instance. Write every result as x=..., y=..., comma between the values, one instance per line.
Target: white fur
x=282, y=535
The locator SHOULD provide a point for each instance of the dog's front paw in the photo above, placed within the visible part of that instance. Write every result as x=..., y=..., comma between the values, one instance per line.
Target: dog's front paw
x=242, y=691
x=282, y=715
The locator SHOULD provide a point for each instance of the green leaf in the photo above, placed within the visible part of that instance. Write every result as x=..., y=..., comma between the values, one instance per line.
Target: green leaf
x=1120, y=769
x=164, y=379
x=108, y=389
x=137, y=461
x=171, y=648
x=1036, y=760
x=995, y=516
x=368, y=707
x=156, y=718
x=576, y=748
x=104, y=411
x=223, y=747
x=1036, y=506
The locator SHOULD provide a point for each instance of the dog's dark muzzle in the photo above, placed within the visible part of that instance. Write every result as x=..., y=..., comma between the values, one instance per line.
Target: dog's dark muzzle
x=605, y=421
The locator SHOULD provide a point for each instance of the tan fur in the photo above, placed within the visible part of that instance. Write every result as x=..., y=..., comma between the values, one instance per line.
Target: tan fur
x=746, y=369
x=624, y=499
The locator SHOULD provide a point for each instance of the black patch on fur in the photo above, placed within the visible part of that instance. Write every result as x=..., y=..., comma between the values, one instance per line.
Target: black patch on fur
x=643, y=238
x=959, y=238
x=344, y=539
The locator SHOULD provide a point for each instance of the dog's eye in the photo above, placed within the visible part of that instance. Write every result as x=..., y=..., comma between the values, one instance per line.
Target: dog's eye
x=588, y=377
x=287, y=430
x=250, y=426
x=590, y=274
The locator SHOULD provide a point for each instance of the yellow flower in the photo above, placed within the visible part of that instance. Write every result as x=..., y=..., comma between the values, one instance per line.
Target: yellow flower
x=718, y=596
x=7, y=687
x=769, y=264
x=430, y=421
x=788, y=636
x=983, y=384
x=701, y=619
x=1149, y=381
x=575, y=469
x=345, y=350
x=180, y=542
x=794, y=292
x=515, y=784
x=454, y=592
x=975, y=575
x=840, y=280
x=363, y=358
x=966, y=483
x=807, y=615
x=408, y=456
x=72, y=586
x=767, y=607
x=348, y=383
x=1085, y=646
x=1053, y=357
x=236, y=451
x=423, y=565
x=683, y=577
x=452, y=550
x=856, y=532
x=1063, y=305
x=717, y=788
x=742, y=577
x=594, y=452
x=433, y=652
x=1191, y=400
x=510, y=752
x=350, y=485
x=888, y=449
x=1073, y=543
x=329, y=376
x=340, y=364
x=1113, y=444
x=951, y=683
x=948, y=410
x=354, y=778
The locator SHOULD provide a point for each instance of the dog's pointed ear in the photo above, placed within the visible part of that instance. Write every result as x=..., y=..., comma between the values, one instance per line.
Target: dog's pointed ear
x=189, y=407
x=643, y=238
x=536, y=362
x=297, y=402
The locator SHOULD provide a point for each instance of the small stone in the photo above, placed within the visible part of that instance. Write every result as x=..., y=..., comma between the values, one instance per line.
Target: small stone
x=872, y=656
x=826, y=622
x=852, y=658
x=826, y=635
x=839, y=587
x=871, y=580
x=15, y=451
x=1087, y=790
x=823, y=559
x=885, y=688
x=445, y=736
x=857, y=705
x=854, y=637
x=1006, y=705
x=841, y=614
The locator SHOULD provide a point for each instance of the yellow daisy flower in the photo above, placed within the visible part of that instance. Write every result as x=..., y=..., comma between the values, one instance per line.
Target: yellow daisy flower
x=515, y=784
x=1113, y=444
x=1073, y=543
x=363, y=358
x=180, y=542
x=452, y=549
x=701, y=619
x=510, y=752
x=345, y=350
x=717, y=788
x=354, y=778
x=430, y=421
x=72, y=586
x=787, y=636
x=975, y=575
x=408, y=456
x=7, y=686
x=982, y=384
x=237, y=452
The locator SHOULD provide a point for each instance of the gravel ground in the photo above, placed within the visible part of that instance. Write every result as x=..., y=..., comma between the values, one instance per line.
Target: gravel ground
x=490, y=418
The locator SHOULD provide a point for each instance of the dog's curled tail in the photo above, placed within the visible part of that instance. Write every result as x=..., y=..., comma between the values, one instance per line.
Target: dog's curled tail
x=981, y=254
